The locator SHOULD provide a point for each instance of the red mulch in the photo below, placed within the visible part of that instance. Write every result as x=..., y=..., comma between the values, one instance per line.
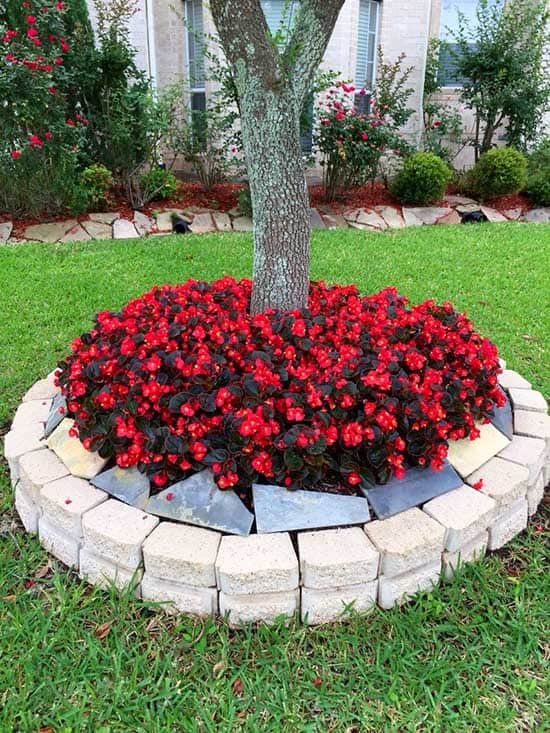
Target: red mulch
x=224, y=196
x=372, y=194
x=221, y=197
x=510, y=201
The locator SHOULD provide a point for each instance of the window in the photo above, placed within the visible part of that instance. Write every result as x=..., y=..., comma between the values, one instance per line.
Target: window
x=279, y=14
x=367, y=34
x=195, y=58
x=450, y=10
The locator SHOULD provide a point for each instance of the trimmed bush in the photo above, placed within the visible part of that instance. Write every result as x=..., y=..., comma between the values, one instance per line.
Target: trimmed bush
x=422, y=180
x=96, y=181
x=538, y=174
x=158, y=184
x=497, y=172
x=352, y=390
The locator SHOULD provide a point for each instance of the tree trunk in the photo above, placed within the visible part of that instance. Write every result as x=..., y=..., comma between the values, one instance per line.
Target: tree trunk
x=272, y=85
x=270, y=127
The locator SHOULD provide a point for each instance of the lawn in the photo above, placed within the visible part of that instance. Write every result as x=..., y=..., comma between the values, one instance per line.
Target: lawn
x=468, y=657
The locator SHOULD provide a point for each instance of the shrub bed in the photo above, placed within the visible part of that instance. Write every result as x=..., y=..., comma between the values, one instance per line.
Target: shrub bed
x=351, y=390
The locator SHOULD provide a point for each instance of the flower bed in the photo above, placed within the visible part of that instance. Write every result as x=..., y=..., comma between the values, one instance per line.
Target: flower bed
x=322, y=573
x=352, y=390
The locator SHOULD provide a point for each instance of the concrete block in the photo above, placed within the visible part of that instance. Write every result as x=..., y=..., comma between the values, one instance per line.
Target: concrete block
x=406, y=541
x=182, y=554
x=179, y=598
x=35, y=411
x=39, y=468
x=529, y=400
x=336, y=557
x=258, y=607
x=528, y=452
x=58, y=542
x=116, y=531
x=509, y=379
x=65, y=501
x=465, y=513
x=535, y=494
x=471, y=551
x=99, y=571
x=21, y=441
x=257, y=564
x=399, y=588
x=28, y=511
x=510, y=522
x=503, y=481
x=533, y=425
x=321, y=606
x=44, y=389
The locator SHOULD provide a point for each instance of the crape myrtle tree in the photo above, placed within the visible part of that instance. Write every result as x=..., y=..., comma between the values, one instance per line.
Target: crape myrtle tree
x=272, y=82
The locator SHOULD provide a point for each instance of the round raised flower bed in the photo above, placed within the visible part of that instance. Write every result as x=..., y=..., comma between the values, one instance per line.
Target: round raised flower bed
x=257, y=466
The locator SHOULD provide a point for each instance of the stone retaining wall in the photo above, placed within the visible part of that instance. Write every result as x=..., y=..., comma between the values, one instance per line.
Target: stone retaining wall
x=319, y=574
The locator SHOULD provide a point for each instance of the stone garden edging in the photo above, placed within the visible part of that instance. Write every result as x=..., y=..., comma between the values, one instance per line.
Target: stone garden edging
x=318, y=573
x=109, y=225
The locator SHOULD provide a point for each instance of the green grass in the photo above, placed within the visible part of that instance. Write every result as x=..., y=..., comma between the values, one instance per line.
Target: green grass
x=468, y=657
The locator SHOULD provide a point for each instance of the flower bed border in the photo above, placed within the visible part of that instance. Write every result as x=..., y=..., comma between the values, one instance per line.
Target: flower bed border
x=318, y=573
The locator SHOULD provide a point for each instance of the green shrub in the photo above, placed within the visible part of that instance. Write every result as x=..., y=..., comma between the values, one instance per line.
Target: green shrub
x=422, y=180
x=538, y=174
x=245, y=202
x=498, y=171
x=158, y=183
x=96, y=180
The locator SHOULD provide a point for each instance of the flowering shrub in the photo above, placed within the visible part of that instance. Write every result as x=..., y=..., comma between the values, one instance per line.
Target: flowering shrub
x=352, y=142
x=42, y=130
x=352, y=389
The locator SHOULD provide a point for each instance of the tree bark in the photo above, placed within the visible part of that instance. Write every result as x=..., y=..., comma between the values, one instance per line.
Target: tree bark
x=272, y=85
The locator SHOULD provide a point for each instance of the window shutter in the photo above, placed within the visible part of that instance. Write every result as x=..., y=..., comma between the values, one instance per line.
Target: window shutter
x=367, y=29
x=195, y=39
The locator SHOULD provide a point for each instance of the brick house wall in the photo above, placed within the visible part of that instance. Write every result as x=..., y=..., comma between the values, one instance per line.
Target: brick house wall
x=160, y=37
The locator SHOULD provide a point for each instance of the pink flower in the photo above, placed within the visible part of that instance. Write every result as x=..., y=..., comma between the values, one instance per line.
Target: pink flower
x=35, y=141
x=15, y=154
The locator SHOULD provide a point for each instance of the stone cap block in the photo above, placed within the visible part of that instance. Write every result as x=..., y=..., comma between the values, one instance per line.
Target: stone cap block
x=23, y=440
x=39, y=468
x=264, y=563
x=337, y=557
x=65, y=500
x=407, y=540
x=532, y=424
x=44, y=389
x=116, y=531
x=509, y=379
x=182, y=554
x=528, y=452
x=503, y=481
x=35, y=411
x=528, y=399
x=464, y=513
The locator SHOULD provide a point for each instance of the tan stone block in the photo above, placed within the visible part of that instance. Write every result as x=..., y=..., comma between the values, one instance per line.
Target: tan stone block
x=407, y=540
x=264, y=563
x=336, y=557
